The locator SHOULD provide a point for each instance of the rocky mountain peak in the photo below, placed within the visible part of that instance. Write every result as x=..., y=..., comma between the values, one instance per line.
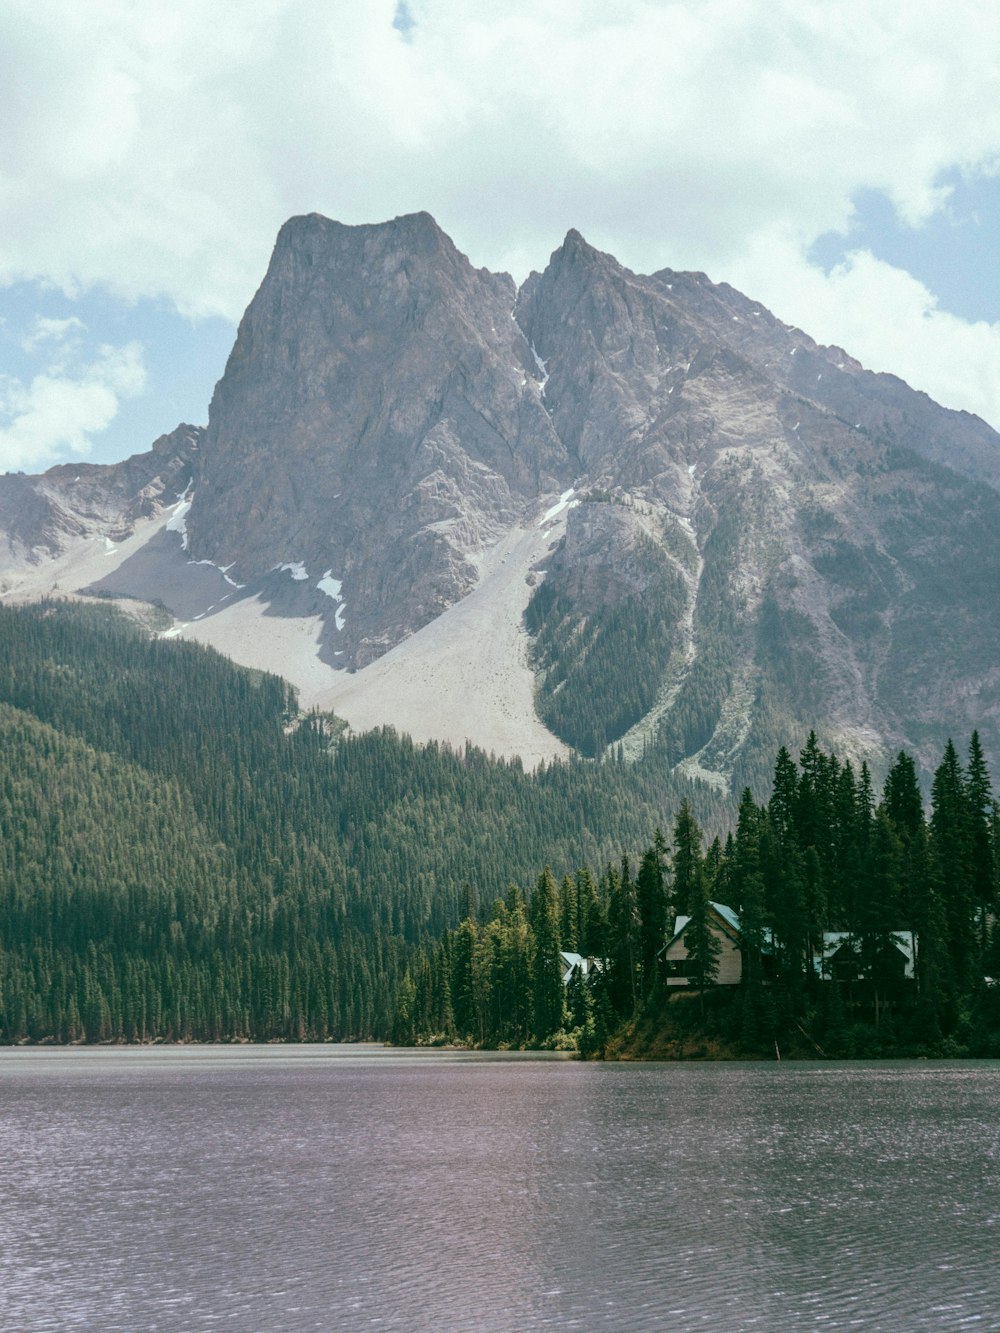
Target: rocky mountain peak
x=576, y=250
x=718, y=531
x=377, y=424
x=412, y=246
x=42, y=517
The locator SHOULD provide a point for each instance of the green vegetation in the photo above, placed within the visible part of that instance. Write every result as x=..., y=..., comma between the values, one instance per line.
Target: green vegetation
x=821, y=856
x=600, y=668
x=181, y=856
x=718, y=632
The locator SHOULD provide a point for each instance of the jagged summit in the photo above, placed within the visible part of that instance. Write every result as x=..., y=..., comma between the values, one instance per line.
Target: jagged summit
x=608, y=508
x=576, y=260
x=575, y=248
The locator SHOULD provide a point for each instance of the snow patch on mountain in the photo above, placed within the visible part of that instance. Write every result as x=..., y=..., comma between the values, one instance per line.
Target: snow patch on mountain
x=465, y=675
x=177, y=522
x=331, y=586
x=562, y=503
x=222, y=570
x=541, y=370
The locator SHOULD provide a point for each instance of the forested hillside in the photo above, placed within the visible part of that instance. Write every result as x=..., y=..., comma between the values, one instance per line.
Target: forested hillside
x=183, y=856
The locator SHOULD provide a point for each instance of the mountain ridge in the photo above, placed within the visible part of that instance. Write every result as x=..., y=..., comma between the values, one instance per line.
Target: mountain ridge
x=728, y=533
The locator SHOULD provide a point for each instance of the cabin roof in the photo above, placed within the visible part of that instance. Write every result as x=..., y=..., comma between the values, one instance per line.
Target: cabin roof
x=726, y=913
x=833, y=940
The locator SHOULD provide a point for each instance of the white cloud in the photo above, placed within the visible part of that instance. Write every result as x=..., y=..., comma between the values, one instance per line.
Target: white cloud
x=59, y=409
x=46, y=330
x=156, y=149
x=884, y=317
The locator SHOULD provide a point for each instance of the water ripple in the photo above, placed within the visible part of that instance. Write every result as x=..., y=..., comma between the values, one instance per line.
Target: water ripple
x=326, y=1189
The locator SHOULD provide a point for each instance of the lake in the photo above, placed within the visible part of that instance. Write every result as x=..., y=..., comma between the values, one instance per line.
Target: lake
x=320, y=1187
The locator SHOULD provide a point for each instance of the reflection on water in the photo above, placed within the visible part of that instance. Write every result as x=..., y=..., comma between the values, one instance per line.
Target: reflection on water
x=354, y=1188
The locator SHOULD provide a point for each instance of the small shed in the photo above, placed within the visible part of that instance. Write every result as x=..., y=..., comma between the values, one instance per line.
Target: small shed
x=725, y=926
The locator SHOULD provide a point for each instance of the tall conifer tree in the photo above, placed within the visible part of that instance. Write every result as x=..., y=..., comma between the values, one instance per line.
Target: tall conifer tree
x=625, y=931
x=652, y=902
x=546, y=973
x=982, y=852
x=703, y=945
x=686, y=859
x=951, y=866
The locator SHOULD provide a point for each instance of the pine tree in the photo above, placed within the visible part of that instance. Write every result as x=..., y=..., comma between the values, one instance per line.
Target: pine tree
x=462, y=984
x=586, y=900
x=748, y=881
x=951, y=866
x=404, y=1028
x=686, y=860
x=777, y=859
x=624, y=932
x=901, y=796
x=547, y=984
x=982, y=851
x=652, y=902
x=878, y=913
x=816, y=822
x=702, y=943
x=784, y=795
x=568, y=915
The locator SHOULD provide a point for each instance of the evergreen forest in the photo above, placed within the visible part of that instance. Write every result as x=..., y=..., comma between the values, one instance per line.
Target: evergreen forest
x=599, y=669
x=184, y=855
x=823, y=855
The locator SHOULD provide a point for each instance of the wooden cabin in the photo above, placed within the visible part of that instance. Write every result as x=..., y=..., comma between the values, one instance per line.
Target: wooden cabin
x=839, y=956
x=574, y=962
x=725, y=926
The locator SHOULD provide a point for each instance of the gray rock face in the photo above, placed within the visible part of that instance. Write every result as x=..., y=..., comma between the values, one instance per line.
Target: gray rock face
x=40, y=516
x=378, y=421
x=847, y=529
x=602, y=559
x=825, y=542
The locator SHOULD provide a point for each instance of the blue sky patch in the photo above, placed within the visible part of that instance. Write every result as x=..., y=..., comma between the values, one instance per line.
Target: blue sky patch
x=955, y=254
x=43, y=332
x=403, y=20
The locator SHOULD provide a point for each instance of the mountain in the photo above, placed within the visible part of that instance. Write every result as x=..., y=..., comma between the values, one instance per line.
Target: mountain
x=42, y=518
x=605, y=509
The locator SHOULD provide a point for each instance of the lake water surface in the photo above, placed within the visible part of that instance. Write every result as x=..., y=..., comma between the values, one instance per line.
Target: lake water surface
x=318, y=1187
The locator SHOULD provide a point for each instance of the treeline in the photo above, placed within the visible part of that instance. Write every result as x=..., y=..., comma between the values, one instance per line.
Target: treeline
x=497, y=979
x=824, y=854
x=183, y=856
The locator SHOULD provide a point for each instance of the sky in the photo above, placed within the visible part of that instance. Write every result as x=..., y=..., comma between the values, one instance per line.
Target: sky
x=839, y=163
